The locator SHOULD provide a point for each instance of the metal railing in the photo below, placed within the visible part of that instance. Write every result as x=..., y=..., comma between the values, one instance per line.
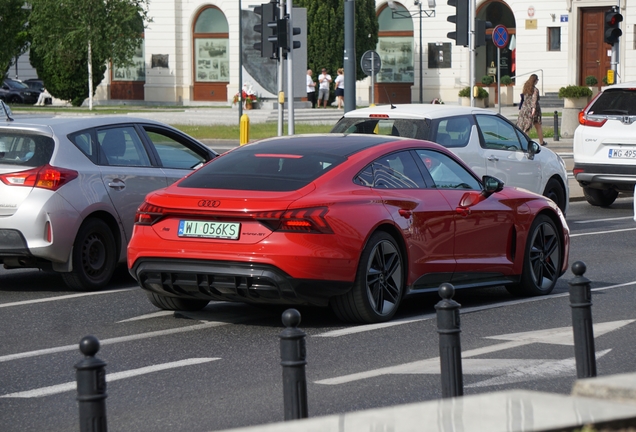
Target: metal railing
x=530, y=73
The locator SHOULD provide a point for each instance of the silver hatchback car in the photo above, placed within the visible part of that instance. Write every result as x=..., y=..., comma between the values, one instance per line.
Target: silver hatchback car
x=70, y=187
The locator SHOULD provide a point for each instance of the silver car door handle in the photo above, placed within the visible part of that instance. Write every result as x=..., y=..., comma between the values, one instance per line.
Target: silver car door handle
x=117, y=184
x=492, y=158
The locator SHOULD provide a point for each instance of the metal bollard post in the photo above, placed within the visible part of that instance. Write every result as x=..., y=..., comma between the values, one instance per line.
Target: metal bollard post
x=450, y=351
x=91, y=387
x=581, y=304
x=556, y=125
x=293, y=354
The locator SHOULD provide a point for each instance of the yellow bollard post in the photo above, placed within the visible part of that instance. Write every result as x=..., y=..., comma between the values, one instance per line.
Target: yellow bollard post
x=376, y=129
x=244, y=130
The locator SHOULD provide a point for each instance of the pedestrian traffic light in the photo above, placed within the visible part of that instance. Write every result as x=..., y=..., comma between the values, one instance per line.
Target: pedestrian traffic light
x=612, y=31
x=268, y=46
x=461, y=22
x=286, y=35
x=480, y=32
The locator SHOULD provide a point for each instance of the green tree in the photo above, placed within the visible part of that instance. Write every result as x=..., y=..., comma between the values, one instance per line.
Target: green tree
x=71, y=40
x=13, y=32
x=325, y=33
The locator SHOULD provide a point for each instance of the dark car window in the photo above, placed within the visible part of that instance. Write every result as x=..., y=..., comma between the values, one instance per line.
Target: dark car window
x=27, y=150
x=446, y=172
x=84, y=141
x=247, y=168
x=121, y=146
x=396, y=171
x=408, y=128
x=616, y=101
x=173, y=153
x=453, y=132
x=498, y=134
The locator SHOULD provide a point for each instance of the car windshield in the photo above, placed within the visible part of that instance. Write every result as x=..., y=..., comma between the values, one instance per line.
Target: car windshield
x=408, y=128
x=249, y=168
x=615, y=101
x=29, y=150
x=16, y=85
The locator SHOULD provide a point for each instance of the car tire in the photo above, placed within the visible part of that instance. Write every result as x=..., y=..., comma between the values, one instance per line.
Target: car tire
x=379, y=285
x=600, y=197
x=15, y=99
x=556, y=192
x=176, y=304
x=542, y=259
x=94, y=257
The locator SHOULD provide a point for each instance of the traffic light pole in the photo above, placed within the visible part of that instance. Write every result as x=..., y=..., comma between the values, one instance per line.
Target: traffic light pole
x=281, y=70
x=471, y=44
x=290, y=70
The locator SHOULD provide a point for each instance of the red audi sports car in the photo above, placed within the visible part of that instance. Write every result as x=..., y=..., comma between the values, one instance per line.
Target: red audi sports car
x=354, y=222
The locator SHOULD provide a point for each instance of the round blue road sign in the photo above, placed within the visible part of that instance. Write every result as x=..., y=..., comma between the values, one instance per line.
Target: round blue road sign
x=500, y=36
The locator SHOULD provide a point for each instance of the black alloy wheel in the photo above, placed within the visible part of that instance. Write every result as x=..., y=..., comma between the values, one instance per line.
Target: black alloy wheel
x=379, y=285
x=542, y=259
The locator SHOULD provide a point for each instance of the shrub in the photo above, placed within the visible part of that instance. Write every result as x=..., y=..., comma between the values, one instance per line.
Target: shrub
x=506, y=80
x=465, y=92
x=487, y=80
x=573, y=91
x=591, y=80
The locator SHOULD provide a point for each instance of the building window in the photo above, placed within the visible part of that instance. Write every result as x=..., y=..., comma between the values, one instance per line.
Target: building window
x=554, y=38
x=211, y=57
x=395, y=45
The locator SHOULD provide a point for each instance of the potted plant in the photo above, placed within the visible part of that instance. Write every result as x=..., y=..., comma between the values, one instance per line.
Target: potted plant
x=592, y=83
x=487, y=80
x=247, y=96
x=481, y=97
x=575, y=96
x=507, y=91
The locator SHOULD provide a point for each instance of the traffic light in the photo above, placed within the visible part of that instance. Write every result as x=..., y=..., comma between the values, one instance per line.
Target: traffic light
x=480, y=32
x=612, y=31
x=461, y=22
x=285, y=37
x=268, y=46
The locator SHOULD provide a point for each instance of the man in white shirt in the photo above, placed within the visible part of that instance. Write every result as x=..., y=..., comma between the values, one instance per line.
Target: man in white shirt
x=311, y=89
x=323, y=90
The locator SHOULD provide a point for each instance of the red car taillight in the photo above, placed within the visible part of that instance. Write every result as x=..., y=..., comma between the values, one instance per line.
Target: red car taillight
x=583, y=120
x=148, y=214
x=44, y=177
x=311, y=220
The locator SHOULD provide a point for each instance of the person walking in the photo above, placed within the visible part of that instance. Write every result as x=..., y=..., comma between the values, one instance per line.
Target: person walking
x=324, y=81
x=311, y=89
x=530, y=112
x=339, y=84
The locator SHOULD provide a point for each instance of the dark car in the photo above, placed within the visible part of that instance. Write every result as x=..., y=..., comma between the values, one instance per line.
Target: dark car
x=35, y=84
x=14, y=91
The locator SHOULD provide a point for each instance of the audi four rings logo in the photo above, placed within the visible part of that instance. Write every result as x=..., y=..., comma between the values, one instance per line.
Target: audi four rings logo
x=209, y=203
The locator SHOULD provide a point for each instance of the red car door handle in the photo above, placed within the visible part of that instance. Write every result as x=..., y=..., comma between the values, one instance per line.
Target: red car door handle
x=462, y=211
x=405, y=213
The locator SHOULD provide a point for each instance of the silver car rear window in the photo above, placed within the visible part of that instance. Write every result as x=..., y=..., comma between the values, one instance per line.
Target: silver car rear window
x=24, y=149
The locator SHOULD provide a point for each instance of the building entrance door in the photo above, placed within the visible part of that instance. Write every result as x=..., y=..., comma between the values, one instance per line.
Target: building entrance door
x=593, y=49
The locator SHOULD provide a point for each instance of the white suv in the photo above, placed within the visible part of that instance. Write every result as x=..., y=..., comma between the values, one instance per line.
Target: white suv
x=605, y=145
x=485, y=140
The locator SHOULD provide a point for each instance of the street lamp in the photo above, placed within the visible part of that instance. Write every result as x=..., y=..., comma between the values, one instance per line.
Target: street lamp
x=398, y=14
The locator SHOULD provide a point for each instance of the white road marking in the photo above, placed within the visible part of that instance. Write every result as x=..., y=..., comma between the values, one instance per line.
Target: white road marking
x=147, y=316
x=602, y=220
x=60, y=388
x=602, y=232
x=550, y=336
x=65, y=297
x=524, y=370
x=370, y=327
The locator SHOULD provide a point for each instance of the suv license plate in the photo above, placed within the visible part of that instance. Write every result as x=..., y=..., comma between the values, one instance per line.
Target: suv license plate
x=215, y=230
x=622, y=154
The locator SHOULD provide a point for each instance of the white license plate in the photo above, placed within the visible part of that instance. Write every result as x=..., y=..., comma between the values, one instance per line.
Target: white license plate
x=215, y=230
x=622, y=154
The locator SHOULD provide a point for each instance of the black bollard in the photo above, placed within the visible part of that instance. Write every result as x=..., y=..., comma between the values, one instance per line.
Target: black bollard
x=91, y=387
x=556, y=125
x=293, y=354
x=450, y=350
x=581, y=304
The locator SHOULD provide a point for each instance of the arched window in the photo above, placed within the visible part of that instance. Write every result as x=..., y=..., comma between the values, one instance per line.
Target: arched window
x=395, y=45
x=211, y=55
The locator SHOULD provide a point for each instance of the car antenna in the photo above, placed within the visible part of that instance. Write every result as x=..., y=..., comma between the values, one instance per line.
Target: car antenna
x=389, y=98
x=6, y=110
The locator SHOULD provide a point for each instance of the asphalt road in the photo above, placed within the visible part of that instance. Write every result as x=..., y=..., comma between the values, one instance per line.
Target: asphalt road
x=220, y=368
